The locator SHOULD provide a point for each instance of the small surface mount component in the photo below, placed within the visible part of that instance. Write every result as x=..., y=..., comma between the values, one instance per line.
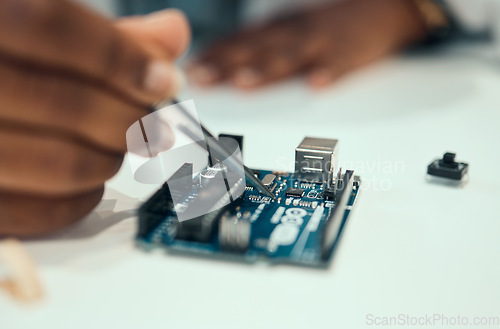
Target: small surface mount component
x=312, y=194
x=301, y=226
x=296, y=192
x=447, y=167
x=268, y=180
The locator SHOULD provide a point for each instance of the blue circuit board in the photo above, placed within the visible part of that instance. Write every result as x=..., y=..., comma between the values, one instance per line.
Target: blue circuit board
x=300, y=228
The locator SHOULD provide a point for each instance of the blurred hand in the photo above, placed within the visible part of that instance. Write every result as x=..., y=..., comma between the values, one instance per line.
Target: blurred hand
x=71, y=83
x=324, y=43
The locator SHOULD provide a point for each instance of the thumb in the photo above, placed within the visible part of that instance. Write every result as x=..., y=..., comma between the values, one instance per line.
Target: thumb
x=165, y=34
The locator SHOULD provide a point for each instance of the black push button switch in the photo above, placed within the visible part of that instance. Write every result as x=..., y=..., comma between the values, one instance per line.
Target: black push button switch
x=447, y=167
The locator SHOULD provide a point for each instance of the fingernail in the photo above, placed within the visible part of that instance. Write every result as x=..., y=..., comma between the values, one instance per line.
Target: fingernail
x=178, y=81
x=204, y=74
x=247, y=78
x=159, y=77
x=320, y=78
x=162, y=15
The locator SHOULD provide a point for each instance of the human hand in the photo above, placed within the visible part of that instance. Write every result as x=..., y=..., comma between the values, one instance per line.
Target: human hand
x=71, y=83
x=324, y=43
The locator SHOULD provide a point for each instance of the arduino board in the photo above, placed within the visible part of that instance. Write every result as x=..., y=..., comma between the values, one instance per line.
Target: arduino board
x=303, y=225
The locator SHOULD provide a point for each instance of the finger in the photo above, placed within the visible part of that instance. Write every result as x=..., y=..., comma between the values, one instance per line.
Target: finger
x=216, y=63
x=29, y=215
x=217, y=66
x=249, y=53
x=267, y=70
x=327, y=72
x=164, y=33
x=66, y=36
x=278, y=63
x=50, y=165
x=69, y=105
x=337, y=62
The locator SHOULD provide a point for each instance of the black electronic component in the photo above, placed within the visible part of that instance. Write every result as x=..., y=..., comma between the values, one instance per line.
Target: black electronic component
x=182, y=180
x=186, y=222
x=202, y=228
x=237, y=138
x=312, y=194
x=154, y=211
x=336, y=218
x=256, y=172
x=329, y=194
x=295, y=192
x=447, y=167
x=334, y=186
x=199, y=229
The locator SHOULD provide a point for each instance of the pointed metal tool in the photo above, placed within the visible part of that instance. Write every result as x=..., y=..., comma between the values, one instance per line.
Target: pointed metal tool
x=220, y=150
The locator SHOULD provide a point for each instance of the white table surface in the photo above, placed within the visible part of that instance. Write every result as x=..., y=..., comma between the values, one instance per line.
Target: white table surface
x=410, y=248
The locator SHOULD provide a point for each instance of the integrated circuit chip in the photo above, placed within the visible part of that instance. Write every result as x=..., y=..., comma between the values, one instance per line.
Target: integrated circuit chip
x=296, y=192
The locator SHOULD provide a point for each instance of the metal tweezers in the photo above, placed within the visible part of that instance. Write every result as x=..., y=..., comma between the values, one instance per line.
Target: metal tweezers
x=219, y=149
